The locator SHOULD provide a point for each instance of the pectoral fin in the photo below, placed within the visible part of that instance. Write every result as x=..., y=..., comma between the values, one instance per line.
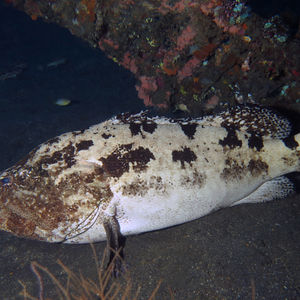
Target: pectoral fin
x=276, y=188
x=115, y=243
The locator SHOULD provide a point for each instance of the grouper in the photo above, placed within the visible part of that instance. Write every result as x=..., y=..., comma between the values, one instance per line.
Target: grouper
x=135, y=173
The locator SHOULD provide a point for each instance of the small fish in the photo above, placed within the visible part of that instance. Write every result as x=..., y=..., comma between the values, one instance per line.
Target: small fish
x=133, y=174
x=181, y=107
x=62, y=102
x=56, y=63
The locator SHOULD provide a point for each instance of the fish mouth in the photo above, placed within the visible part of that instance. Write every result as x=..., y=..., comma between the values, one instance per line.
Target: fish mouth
x=18, y=225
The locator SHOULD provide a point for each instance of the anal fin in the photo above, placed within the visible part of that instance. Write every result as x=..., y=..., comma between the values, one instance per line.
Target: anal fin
x=277, y=188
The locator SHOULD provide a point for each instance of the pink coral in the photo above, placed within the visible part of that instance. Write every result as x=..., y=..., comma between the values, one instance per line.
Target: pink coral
x=148, y=85
x=207, y=8
x=234, y=29
x=111, y=43
x=188, y=68
x=108, y=42
x=185, y=38
x=212, y=102
x=178, y=6
x=142, y=94
x=129, y=63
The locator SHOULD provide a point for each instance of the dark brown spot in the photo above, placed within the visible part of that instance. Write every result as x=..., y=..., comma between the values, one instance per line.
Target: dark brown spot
x=156, y=183
x=52, y=141
x=137, y=121
x=149, y=127
x=233, y=171
x=140, y=157
x=135, y=128
x=51, y=159
x=189, y=129
x=231, y=140
x=117, y=163
x=141, y=187
x=65, y=154
x=255, y=141
x=237, y=170
x=185, y=155
x=197, y=179
x=290, y=161
x=257, y=167
x=84, y=145
x=136, y=188
x=106, y=136
x=68, y=155
x=290, y=142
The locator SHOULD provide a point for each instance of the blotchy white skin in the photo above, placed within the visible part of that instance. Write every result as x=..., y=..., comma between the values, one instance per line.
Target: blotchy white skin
x=180, y=196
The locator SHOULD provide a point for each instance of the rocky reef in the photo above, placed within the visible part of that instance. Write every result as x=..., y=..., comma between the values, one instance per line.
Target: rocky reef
x=188, y=55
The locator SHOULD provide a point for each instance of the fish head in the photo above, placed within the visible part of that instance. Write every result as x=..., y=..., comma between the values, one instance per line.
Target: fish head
x=27, y=208
x=46, y=197
x=15, y=215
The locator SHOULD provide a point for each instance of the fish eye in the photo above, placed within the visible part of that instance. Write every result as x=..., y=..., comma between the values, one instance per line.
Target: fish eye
x=5, y=180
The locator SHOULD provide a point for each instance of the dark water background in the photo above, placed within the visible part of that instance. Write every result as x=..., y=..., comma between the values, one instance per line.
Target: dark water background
x=221, y=256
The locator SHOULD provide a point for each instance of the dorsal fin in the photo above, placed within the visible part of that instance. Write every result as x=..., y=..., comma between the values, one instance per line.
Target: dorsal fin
x=256, y=120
